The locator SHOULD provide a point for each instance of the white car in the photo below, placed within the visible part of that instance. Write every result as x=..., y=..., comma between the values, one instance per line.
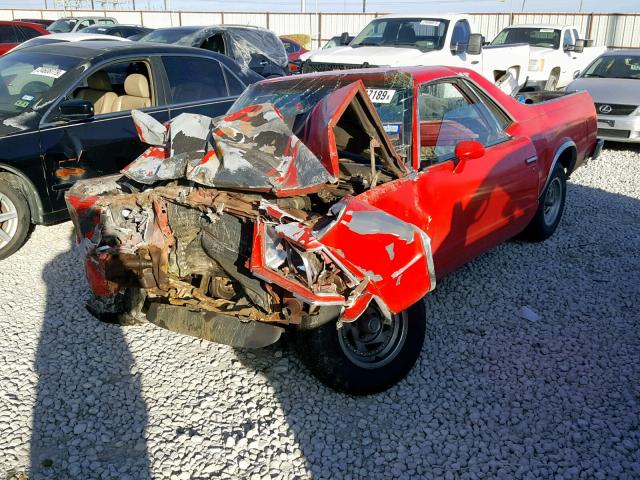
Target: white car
x=66, y=37
x=613, y=80
x=558, y=53
x=416, y=40
x=75, y=24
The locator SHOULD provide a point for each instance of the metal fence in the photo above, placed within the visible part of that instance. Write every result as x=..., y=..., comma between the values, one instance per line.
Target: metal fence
x=607, y=29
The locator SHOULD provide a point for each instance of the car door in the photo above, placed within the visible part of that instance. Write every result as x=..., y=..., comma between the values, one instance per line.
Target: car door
x=484, y=201
x=105, y=143
x=200, y=85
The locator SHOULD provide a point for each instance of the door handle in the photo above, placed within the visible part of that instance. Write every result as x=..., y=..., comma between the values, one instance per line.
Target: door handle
x=475, y=62
x=531, y=160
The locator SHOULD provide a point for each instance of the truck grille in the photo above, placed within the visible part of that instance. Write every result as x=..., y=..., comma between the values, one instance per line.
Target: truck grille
x=616, y=109
x=309, y=67
x=611, y=132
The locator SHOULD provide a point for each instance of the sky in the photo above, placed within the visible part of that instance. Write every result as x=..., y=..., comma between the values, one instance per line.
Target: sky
x=382, y=6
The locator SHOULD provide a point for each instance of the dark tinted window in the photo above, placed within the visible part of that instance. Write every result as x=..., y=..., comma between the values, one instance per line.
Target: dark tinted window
x=290, y=47
x=29, y=32
x=566, y=39
x=8, y=34
x=194, y=78
x=236, y=87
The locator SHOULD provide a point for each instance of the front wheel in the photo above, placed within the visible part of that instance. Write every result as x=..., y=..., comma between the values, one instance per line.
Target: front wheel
x=550, y=207
x=15, y=220
x=368, y=355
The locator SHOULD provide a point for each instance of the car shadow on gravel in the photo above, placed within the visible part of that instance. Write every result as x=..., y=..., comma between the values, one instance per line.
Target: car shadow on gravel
x=494, y=394
x=89, y=417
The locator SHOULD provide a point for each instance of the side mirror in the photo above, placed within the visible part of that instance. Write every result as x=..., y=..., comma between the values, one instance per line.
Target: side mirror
x=474, y=46
x=579, y=46
x=344, y=38
x=466, y=150
x=76, y=109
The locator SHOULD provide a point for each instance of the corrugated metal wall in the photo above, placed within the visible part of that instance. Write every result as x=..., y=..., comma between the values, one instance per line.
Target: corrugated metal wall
x=612, y=30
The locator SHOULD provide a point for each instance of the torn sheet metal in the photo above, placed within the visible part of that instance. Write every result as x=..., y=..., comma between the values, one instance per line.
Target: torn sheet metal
x=252, y=149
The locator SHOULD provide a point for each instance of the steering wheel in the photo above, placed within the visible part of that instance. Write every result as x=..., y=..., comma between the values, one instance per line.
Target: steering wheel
x=34, y=88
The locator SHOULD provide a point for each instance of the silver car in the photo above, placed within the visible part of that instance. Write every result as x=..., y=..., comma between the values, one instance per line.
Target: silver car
x=613, y=80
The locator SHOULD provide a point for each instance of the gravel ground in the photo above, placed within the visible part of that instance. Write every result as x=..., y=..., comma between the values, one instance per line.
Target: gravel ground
x=494, y=394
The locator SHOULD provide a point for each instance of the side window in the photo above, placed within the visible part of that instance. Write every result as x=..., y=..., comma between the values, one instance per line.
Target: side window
x=8, y=34
x=567, y=41
x=448, y=115
x=118, y=87
x=106, y=21
x=85, y=23
x=214, y=43
x=28, y=33
x=235, y=86
x=460, y=35
x=576, y=35
x=193, y=79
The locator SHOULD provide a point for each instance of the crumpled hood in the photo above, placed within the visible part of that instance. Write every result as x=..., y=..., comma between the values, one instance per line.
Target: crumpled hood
x=252, y=149
x=609, y=90
x=392, y=56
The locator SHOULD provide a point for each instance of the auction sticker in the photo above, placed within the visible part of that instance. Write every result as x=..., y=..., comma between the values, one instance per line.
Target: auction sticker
x=380, y=95
x=52, y=72
x=392, y=128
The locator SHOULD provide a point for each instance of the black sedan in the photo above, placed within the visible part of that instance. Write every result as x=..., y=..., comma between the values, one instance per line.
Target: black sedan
x=253, y=48
x=65, y=114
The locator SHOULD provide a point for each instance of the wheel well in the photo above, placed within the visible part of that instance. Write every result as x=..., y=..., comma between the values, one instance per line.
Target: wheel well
x=17, y=180
x=568, y=159
x=555, y=70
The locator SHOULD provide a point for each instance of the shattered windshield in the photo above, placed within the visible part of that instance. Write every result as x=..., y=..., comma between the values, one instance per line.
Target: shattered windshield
x=26, y=76
x=423, y=33
x=295, y=99
x=64, y=25
x=181, y=36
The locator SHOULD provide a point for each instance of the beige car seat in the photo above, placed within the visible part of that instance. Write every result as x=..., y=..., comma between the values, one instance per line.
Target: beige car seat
x=99, y=92
x=136, y=89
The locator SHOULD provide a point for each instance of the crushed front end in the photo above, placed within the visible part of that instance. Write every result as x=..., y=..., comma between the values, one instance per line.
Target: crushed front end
x=232, y=229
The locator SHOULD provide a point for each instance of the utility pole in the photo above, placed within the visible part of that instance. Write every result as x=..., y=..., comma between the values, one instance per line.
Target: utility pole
x=364, y=6
x=303, y=8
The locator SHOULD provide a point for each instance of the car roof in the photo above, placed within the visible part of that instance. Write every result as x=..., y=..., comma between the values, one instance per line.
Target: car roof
x=434, y=16
x=108, y=48
x=418, y=73
x=19, y=22
x=540, y=25
x=622, y=52
x=80, y=36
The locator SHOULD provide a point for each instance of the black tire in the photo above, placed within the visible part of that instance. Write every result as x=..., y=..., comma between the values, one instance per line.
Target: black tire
x=542, y=226
x=323, y=352
x=15, y=230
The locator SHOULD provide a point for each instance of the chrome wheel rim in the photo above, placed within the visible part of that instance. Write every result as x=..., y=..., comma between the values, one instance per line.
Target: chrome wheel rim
x=8, y=220
x=372, y=341
x=552, y=201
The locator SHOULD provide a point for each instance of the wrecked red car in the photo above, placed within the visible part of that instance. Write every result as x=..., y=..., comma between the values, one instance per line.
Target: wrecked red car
x=327, y=204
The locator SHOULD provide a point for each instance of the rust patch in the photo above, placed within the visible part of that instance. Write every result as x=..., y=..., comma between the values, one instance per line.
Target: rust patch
x=65, y=173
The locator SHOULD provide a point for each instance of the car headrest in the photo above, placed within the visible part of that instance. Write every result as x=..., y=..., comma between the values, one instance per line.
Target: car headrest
x=99, y=81
x=136, y=85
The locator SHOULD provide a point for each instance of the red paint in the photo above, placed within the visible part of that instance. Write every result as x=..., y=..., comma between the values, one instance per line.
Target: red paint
x=39, y=29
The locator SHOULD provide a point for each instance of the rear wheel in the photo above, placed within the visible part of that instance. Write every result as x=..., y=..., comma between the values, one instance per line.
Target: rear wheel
x=368, y=355
x=550, y=207
x=15, y=220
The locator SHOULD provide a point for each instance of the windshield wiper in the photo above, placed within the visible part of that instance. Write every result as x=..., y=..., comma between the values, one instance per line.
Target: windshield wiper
x=365, y=44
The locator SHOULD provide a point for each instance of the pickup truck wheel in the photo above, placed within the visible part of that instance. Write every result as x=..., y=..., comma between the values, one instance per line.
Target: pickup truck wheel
x=550, y=207
x=15, y=220
x=368, y=355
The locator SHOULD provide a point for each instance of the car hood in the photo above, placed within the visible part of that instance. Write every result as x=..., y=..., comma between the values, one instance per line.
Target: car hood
x=609, y=90
x=392, y=56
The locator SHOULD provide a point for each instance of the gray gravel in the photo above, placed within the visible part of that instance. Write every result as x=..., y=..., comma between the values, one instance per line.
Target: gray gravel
x=531, y=369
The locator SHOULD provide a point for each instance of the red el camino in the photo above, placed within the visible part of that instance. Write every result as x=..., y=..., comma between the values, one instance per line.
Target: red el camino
x=328, y=205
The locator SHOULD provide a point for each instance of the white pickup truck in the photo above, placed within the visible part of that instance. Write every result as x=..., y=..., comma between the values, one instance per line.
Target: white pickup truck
x=412, y=40
x=558, y=53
